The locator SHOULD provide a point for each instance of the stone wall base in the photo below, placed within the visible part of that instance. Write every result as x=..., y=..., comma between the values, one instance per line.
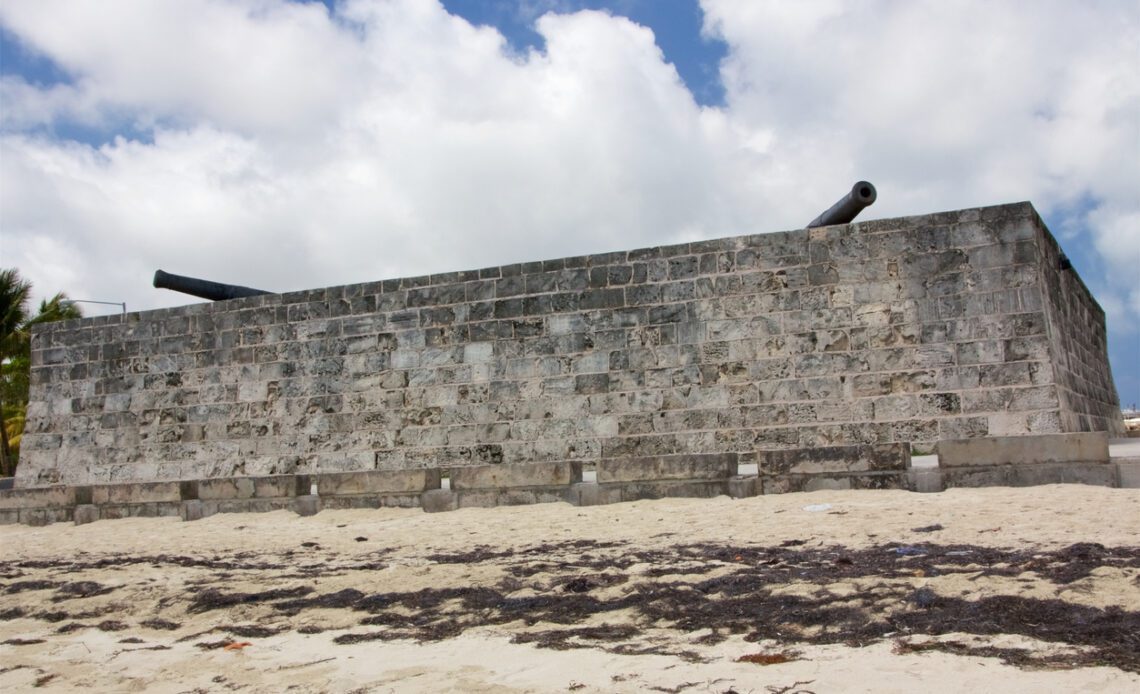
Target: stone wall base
x=1013, y=462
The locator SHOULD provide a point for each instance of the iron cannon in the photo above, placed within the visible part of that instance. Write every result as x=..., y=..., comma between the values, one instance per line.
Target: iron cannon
x=849, y=206
x=205, y=289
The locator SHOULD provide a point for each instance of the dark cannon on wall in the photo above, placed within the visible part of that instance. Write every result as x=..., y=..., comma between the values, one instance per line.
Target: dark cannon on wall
x=205, y=289
x=849, y=206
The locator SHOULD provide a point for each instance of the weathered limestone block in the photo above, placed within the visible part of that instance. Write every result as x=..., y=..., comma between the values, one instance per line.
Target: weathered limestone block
x=307, y=505
x=376, y=482
x=193, y=510
x=666, y=488
x=668, y=467
x=558, y=474
x=835, y=459
x=488, y=498
x=437, y=500
x=46, y=516
x=1028, y=475
x=407, y=500
x=150, y=509
x=247, y=488
x=1089, y=447
x=41, y=497
x=743, y=487
x=135, y=493
x=782, y=484
x=1128, y=474
x=86, y=513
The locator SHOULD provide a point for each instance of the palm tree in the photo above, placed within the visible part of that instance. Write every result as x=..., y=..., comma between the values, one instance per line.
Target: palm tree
x=13, y=317
x=15, y=356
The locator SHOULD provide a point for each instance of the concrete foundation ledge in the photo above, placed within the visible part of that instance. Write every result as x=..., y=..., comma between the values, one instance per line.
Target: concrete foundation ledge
x=717, y=466
x=1100, y=474
x=592, y=494
x=307, y=505
x=38, y=497
x=741, y=487
x=46, y=516
x=135, y=493
x=152, y=509
x=1089, y=447
x=438, y=500
x=376, y=482
x=665, y=489
x=193, y=510
x=834, y=459
x=516, y=496
x=281, y=503
x=86, y=513
x=1128, y=474
x=783, y=484
x=483, y=477
x=926, y=481
x=346, y=501
x=274, y=486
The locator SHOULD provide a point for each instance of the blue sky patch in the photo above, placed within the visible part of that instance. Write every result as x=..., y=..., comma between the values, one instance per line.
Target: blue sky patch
x=675, y=24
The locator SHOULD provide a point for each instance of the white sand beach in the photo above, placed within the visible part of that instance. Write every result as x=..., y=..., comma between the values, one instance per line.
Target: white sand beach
x=996, y=589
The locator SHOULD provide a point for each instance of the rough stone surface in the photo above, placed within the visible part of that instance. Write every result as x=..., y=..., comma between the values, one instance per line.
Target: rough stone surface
x=438, y=500
x=377, y=482
x=43, y=497
x=662, y=489
x=372, y=501
x=668, y=467
x=1020, y=450
x=1101, y=474
x=743, y=487
x=506, y=476
x=193, y=510
x=926, y=481
x=307, y=505
x=247, y=488
x=1129, y=474
x=592, y=494
x=487, y=498
x=835, y=459
x=150, y=509
x=136, y=493
x=86, y=513
x=919, y=329
x=783, y=484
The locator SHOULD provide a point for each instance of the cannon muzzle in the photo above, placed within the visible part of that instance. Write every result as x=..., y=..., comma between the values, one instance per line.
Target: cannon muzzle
x=849, y=206
x=214, y=291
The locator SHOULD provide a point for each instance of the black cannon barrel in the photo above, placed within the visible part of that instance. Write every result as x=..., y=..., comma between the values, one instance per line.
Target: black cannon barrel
x=849, y=206
x=214, y=291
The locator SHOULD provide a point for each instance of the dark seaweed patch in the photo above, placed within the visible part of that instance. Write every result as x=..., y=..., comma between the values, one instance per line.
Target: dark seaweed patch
x=214, y=599
x=21, y=586
x=80, y=589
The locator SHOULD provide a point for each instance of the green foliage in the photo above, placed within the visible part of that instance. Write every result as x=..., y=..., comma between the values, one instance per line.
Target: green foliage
x=15, y=357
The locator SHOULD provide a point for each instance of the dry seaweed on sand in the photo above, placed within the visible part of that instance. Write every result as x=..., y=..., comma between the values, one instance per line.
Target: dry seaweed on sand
x=560, y=595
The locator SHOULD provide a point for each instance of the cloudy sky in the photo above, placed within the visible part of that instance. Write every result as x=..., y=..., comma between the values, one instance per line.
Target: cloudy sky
x=286, y=144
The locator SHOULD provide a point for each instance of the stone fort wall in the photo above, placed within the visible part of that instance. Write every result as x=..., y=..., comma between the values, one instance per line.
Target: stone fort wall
x=918, y=329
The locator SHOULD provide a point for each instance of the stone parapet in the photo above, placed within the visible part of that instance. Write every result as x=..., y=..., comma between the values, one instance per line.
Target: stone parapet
x=898, y=331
